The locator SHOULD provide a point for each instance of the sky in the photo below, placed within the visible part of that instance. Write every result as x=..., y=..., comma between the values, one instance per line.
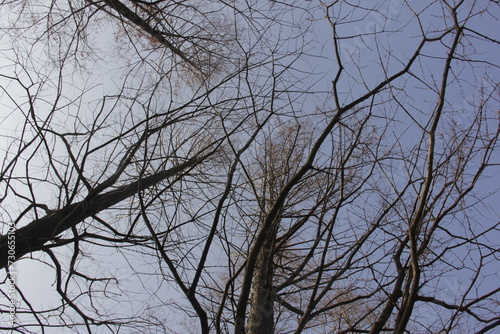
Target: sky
x=100, y=74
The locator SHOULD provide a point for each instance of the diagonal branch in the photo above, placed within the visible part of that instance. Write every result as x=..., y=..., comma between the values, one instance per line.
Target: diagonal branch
x=136, y=20
x=36, y=234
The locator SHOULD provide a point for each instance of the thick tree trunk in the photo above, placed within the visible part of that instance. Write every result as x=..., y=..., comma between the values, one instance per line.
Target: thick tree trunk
x=261, y=317
x=35, y=235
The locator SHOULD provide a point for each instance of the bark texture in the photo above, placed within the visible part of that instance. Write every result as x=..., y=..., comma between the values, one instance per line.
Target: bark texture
x=261, y=317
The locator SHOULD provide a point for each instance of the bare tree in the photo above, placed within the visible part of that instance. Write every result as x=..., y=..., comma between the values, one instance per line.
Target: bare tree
x=260, y=167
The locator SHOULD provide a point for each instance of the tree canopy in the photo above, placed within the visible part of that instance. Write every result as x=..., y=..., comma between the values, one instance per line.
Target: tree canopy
x=249, y=166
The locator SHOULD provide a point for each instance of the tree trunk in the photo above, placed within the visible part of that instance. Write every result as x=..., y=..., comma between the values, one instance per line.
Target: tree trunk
x=261, y=317
x=35, y=235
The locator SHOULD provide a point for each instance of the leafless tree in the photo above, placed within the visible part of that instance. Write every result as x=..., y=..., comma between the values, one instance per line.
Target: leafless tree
x=261, y=167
